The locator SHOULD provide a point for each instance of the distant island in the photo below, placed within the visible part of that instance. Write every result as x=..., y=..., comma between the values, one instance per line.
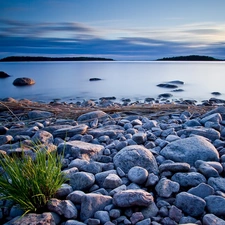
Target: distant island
x=190, y=58
x=40, y=58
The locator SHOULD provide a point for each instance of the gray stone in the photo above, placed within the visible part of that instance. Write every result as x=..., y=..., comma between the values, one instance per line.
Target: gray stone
x=82, y=181
x=190, y=150
x=174, y=167
x=5, y=139
x=33, y=219
x=151, y=180
x=138, y=174
x=139, y=137
x=202, y=190
x=100, y=177
x=135, y=217
x=165, y=187
x=150, y=211
x=70, y=131
x=103, y=216
x=110, y=130
x=63, y=207
x=92, y=203
x=42, y=137
x=68, y=173
x=218, y=183
x=215, y=118
x=100, y=115
x=190, y=204
x=63, y=191
x=210, y=219
x=209, y=133
x=190, y=179
x=112, y=181
x=175, y=214
x=75, y=196
x=129, y=198
x=135, y=155
x=37, y=114
x=207, y=170
x=74, y=222
x=215, y=205
x=79, y=149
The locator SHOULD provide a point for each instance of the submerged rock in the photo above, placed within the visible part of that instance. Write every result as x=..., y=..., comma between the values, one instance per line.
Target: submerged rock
x=23, y=81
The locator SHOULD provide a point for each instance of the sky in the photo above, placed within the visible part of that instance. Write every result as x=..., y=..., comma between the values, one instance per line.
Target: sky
x=117, y=29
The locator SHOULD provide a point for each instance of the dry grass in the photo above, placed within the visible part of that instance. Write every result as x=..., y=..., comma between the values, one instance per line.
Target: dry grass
x=61, y=110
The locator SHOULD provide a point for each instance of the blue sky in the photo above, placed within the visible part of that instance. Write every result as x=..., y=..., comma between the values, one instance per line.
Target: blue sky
x=118, y=29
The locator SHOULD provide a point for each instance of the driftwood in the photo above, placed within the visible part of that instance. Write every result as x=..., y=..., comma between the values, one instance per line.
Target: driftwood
x=72, y=111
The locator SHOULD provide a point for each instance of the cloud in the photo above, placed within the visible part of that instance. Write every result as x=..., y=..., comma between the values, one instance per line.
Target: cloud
x=73, y=38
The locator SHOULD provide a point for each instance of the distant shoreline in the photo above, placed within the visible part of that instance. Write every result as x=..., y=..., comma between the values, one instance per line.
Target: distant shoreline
x=50, y=59
x=63, y=59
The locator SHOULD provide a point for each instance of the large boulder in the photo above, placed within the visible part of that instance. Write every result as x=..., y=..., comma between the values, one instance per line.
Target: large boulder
x=3, y=74
x=190, y=150
x=23, y=81
x=135, y=155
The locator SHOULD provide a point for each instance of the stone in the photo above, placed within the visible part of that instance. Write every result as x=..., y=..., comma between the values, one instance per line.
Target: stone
x=100, y=177
x=100, y=115
x=209, y=133
x=112, y=181
x=190, y=150
x=70, y=131
x=74, y=222
x=174, y=167
x=63, y=207
x=42, y=137
x=167, y=85
x=4, y=74
x=175, y=214
x=75, y=197
x=151, y=180
x=109, y=130
x=129, y=198
x=92, y=203
x=5, y=139
x=103, y=216
x=23, y=81
x=139, y=137
x=202, y=190
x=190, y=179
x=165, y=187
x=218, y=183
x=80, y=149
x=215, y=118
x=94, y=79
x=135, y=155
x=190, y=204
x=33, y=219
x=138, y=175
x=38, y=114
x=136, y=217
x=63, y=191
x=165, y=95
x=215, y=205
x=82, y=181
x=211, y=219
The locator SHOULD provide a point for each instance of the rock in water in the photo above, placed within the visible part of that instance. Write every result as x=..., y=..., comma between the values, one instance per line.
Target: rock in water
x=3, y=74
x=23, y=81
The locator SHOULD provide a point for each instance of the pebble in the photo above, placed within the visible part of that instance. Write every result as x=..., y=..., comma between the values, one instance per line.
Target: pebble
x=128, y=169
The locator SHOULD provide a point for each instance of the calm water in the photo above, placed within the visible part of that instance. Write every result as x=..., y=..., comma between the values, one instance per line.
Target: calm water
x=69, y=81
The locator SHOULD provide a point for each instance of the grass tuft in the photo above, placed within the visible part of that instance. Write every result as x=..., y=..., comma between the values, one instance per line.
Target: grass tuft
x=31, y=183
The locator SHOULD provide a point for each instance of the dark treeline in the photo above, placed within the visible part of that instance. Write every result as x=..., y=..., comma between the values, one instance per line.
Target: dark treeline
x=190, y=58
x=40, y=58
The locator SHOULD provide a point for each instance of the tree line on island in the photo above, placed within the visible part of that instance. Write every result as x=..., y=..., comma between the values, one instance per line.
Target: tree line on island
x=190, y=58
x=42, y=58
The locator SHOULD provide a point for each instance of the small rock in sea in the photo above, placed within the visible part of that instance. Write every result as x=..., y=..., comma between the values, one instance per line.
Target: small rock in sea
x=107, y=98
x=167, y=85
x=23, y=81
x=216, y=93
x=176, y=82
x=95, y=79
x=4, y=75
x=178, y=90
x=165, y=95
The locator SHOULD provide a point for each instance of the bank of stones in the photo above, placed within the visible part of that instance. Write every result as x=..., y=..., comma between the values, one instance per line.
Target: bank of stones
x=127, y=169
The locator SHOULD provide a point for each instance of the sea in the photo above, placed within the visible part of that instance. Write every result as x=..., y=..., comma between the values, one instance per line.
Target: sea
x=135, y=80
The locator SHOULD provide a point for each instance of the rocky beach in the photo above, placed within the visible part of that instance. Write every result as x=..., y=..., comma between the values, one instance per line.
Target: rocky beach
x=145, y=164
